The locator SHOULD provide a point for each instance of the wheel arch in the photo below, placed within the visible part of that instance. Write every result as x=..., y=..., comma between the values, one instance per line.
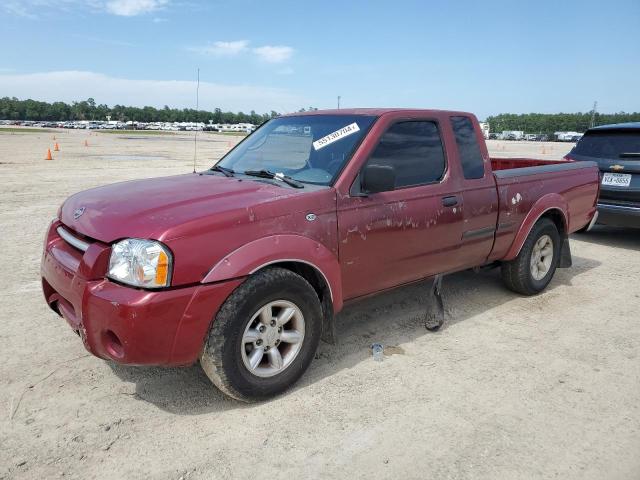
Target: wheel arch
x=310, y=272
x=552, y=206
x=302, y=255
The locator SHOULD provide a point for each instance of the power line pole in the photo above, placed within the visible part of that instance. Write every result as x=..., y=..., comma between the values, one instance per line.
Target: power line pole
x=593, y=115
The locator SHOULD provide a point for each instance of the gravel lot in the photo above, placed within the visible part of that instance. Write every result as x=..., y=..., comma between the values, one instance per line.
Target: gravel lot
x=512, y=388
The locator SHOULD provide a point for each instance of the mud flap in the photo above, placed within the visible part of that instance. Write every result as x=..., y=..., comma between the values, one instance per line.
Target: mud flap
x=434, y=317
x=328, y=321
x=565, y=254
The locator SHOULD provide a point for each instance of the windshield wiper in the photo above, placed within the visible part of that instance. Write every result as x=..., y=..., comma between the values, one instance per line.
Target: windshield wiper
x=275, y=176
x=227, y=172
x=630, y=154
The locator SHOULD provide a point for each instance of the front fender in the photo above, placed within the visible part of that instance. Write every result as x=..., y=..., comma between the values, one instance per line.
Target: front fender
x=281, y=248
x=551, y=201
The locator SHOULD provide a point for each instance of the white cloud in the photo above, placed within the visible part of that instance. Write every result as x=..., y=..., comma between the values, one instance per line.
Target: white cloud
x=18, y=9
x=266, y=53
x=274, y=53
x=104, y=41
x=36, y=8
x=130, y=8
x=69, y=86
x=223, y=49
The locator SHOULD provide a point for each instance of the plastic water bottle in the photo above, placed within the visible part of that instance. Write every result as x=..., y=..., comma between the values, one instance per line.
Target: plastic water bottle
x=378, y=352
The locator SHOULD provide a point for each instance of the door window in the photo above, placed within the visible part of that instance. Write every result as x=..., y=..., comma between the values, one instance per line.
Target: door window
x=468, y=148
x=414, y=149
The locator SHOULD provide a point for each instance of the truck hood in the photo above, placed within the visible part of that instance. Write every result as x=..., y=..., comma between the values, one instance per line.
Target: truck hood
x=159, y=208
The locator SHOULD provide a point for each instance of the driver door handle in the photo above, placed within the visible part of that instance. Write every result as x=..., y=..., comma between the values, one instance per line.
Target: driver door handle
x=450, y=201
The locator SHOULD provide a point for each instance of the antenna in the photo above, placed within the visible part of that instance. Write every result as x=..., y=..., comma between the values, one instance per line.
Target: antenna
x=195, y=136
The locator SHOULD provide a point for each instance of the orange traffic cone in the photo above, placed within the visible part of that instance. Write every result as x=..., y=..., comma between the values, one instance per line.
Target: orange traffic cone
x=48, y=157
x=86, y=144
x=56, y=148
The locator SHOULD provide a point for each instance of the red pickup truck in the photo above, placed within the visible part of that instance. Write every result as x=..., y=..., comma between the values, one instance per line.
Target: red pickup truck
x=244, y=266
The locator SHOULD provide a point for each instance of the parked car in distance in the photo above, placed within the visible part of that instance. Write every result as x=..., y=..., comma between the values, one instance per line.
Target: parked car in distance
x=616, y=149
x=244, y=266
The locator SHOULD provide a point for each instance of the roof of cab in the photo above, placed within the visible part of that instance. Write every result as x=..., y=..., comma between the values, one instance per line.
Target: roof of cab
x=372, y=111
x=618, y=126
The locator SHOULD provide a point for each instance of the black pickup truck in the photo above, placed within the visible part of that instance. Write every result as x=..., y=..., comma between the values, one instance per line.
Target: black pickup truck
x=616, y=149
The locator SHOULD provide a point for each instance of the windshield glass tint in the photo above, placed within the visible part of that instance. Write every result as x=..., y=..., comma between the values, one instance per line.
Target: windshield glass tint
x=308, y=148
x=611, y=145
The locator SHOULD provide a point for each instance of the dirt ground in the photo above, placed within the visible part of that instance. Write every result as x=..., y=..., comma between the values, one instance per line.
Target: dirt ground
x=512, y=388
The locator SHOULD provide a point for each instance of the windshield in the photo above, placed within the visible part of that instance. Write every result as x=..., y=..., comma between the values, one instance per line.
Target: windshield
x=308, y=148
x=608, y=144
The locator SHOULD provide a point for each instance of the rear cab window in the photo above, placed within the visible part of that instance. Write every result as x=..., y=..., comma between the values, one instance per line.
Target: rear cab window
x=468, y=148
x=609, y=144
x=414, y=150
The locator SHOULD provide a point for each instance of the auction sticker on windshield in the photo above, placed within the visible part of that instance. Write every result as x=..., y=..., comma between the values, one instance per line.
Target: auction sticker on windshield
x=335, y=136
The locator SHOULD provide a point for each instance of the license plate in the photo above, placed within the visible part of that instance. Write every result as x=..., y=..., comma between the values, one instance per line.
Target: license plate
x=616, y=179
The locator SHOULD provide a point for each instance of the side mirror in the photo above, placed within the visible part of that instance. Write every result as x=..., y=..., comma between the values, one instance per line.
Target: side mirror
x=378, y=178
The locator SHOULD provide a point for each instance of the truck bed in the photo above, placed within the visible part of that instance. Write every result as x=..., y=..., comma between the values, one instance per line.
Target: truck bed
x=524, y=182
x=510, y=163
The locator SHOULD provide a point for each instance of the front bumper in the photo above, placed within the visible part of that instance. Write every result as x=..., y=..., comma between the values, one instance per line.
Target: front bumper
x=124, y=324
x=619, y=215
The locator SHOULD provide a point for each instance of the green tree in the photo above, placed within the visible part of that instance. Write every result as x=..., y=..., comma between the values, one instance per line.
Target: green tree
x=15, y=109
x=550, y=123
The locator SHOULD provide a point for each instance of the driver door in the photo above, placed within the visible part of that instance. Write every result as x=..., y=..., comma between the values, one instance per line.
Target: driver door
x=394, y=237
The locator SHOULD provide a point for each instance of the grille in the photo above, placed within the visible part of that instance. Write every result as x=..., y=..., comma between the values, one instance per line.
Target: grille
x=72, y=240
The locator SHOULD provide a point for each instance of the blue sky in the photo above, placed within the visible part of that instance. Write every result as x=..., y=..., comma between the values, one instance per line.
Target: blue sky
x=481, y=56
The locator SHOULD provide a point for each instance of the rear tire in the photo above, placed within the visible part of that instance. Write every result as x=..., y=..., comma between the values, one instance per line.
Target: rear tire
x=532, y=270
x=264, y=336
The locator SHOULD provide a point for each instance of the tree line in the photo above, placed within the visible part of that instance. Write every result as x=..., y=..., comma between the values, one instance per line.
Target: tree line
x=549, y=123
x=15, y=109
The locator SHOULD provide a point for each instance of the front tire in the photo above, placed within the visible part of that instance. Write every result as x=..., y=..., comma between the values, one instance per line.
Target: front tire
x=264, y=336
x=532, y=270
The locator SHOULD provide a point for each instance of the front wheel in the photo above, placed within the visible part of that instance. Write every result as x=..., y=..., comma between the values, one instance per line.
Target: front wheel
x=264, y=336
x=532, y=270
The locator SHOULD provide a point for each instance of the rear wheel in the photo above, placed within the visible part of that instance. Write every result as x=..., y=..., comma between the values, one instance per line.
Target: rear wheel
x=532, y=270
x=264, y=336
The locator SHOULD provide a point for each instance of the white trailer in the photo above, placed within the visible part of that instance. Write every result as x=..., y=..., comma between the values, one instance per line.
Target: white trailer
x=512, y=135
x=484, y=126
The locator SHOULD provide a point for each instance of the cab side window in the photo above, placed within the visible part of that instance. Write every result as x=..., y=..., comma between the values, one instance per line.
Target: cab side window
x=414, y=149
x=468, y=148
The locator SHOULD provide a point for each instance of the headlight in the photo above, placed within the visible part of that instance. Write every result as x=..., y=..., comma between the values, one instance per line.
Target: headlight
x=141, y=263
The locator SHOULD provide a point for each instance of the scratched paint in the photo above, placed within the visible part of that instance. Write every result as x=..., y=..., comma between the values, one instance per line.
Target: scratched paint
x=517, y=198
